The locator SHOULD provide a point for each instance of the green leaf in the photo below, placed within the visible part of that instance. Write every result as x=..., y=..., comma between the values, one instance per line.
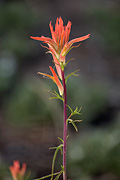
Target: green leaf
x=69, y=120
x=74, y=125
x=54, y=157
x=44, y=177
x=77, y=111
x=62, y=167
x=50, y=92
x=71, y=74
x=78, y=120
x=61, y=150
x=57, y=177
x=69, y=61
x=60, y=139
x=70, y=109
x=53, y=148
x=57, y=96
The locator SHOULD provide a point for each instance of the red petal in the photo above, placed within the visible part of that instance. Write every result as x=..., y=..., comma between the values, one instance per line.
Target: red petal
x=67, y=31
x=53, y=33
x=59, y=85
x=78, y=40
x=23, y=170
x=45, y=39
x=44, y=74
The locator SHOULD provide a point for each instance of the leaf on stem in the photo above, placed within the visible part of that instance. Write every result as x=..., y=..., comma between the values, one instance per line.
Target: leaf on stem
x=70, y=109
x=62, y=168
x=57, y=177
x=53, y=148
x=57, y=96
x=76, y=111
x=60, y=139
x=54, y=157
x=78, y=120
x=44, y=177
x=69, y=61
x=71, y=74
x=73, y=123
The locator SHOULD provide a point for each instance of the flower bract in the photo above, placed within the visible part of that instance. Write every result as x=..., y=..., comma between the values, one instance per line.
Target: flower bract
x=55, y=79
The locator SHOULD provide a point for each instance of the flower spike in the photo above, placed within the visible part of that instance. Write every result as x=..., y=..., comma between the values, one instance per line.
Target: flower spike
x=59, y=45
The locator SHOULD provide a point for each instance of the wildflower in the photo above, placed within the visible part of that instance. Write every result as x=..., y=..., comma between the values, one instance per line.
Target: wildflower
x=16, y=172
x=60, y=45
x=55, y=79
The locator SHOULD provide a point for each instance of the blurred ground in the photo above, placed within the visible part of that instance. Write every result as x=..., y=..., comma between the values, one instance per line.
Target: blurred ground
x=29, y=122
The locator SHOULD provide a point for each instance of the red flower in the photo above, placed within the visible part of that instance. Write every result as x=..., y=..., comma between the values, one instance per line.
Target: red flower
x=60, y=45
x=16, y=172
x=55, y=79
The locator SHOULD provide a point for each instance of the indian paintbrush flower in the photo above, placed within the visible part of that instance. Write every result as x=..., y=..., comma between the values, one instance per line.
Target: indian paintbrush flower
x=16, y=172
x=60, y=45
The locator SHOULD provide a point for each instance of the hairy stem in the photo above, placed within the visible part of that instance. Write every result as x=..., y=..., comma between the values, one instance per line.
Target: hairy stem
x=65, y=127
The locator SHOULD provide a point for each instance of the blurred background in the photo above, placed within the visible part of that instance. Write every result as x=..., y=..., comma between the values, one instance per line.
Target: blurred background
x=29, y=122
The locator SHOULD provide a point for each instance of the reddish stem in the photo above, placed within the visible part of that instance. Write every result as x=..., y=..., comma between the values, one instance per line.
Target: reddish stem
x=65, y=127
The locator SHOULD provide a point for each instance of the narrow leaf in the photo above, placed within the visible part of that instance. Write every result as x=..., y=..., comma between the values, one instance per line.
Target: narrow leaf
x=57, y=98
x=60, y=139
x=69, y=61
x=70, y=109
x=53, y=148
x=54, y=158
x=69, y=120
x=77, y=111
x=71, y=74
x=50, y=92
x=78, y=120
x=44, y=177
x=61, y=150
x=62, y=168
x=57, y=177
x=74, y=125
